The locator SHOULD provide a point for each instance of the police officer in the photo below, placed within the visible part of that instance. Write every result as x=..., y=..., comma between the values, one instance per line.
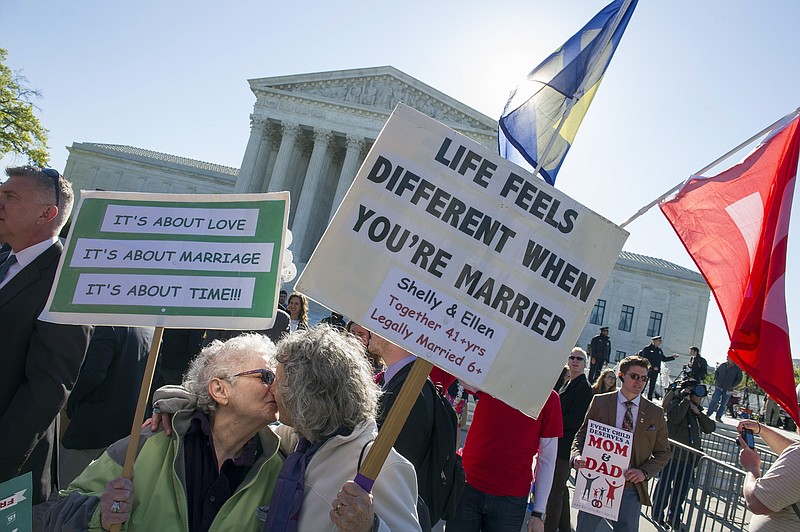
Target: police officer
x=600, y=352
x=655, y=356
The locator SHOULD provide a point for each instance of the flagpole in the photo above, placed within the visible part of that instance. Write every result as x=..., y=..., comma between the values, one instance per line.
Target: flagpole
x=571, y=101
x=708, y=167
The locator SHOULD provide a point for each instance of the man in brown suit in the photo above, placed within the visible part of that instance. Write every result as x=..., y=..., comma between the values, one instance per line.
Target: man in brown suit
x=628, y=410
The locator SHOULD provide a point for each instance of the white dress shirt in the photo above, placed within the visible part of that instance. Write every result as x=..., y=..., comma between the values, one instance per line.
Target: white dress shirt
x=26, y=256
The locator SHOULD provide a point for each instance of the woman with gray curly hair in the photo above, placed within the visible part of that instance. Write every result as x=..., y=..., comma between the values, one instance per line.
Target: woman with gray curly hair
x=330, y=388
x=327, y=401
x=220, y=454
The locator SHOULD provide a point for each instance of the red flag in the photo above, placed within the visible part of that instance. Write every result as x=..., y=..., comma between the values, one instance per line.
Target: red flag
x=735, y=226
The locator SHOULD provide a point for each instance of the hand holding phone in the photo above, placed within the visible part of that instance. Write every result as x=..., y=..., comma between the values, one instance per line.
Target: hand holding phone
x=749, y=439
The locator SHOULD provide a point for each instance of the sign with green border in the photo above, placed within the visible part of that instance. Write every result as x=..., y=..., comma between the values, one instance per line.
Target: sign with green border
x=172, y=260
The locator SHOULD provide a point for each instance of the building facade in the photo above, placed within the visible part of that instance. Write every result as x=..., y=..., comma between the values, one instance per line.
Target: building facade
x=309, y=134
x=646, y=297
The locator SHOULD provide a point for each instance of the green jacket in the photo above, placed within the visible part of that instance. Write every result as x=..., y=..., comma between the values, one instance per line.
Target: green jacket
x=159, y=495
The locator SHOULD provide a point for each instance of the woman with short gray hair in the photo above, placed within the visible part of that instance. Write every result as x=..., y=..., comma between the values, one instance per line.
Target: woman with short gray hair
x=222, y=358
x=216, y=469
x=327, y=401
x=331, y=389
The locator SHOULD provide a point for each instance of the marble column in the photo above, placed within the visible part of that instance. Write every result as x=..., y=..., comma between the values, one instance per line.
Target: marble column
x=308, y=194
x=275, y=144
x=349, y=168
x=244, y=182
x=264, y=152
x=280, y=171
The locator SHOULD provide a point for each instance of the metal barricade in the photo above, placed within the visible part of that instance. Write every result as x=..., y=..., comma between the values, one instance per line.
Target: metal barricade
x=719, y=447
x=675, y=493
x=724, y=449
x=719, y=497
x=703, y=491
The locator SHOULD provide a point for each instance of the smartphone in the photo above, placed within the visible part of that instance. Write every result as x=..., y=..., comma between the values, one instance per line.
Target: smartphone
x=749, y=439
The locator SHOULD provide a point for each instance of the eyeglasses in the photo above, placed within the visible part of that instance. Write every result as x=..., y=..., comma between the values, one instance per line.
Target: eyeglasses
x=55, y=176
x=267, y=376
x=576, y=358
x=637, y=377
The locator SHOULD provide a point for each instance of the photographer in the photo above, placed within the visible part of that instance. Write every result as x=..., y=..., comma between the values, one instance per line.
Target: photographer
x=774, y=498
x=685, y=420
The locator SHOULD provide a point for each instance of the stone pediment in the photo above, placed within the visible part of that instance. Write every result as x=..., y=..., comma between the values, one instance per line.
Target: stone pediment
x=373, y=91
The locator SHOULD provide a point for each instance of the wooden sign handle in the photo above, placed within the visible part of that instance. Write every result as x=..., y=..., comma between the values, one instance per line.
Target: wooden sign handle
x=394, y=423
x=141, y=406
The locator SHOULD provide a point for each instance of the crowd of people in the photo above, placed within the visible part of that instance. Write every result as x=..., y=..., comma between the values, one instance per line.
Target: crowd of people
x=266, y=430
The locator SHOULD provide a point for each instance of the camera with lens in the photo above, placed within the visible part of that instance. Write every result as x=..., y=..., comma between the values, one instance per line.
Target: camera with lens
x=686, y=386
x=693, y=387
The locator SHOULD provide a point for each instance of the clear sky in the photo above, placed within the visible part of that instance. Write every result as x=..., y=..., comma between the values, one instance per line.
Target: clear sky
x=690, y=80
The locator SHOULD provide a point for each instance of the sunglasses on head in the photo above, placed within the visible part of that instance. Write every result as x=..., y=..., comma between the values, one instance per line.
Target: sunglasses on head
x=637, y=377
x=267, y=376
x=55, y=176
x=573, y=357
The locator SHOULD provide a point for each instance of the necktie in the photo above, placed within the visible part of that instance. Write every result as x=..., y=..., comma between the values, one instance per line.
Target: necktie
x=627, y=419
x=9, y=262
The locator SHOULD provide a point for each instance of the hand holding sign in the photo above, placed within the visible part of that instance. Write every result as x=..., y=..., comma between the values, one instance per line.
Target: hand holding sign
x=602, y=469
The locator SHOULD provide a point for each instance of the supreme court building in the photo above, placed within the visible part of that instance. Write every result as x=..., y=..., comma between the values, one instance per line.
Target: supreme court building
x=309, y=134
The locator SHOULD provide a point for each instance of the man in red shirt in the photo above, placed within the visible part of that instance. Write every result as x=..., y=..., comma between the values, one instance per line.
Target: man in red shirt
x=497, y=458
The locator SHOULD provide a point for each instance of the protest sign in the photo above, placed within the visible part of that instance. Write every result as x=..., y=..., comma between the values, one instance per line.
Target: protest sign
x=172, y=260
x=16, y=511
x=599, y=485
x=464, y=259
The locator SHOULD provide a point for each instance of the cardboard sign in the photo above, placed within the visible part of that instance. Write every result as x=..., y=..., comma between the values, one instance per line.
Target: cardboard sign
x=16, y=512
x=599, y=485
x=464, y=259
x=172, y=260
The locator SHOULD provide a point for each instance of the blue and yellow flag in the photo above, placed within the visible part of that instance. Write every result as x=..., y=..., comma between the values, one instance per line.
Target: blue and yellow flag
x=543, y=113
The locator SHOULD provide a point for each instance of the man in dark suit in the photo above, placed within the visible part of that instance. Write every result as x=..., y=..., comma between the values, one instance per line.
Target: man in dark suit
x=698, y=366
x=40, y=360
x=102, y=404
x=414, y=440
x=628, y=410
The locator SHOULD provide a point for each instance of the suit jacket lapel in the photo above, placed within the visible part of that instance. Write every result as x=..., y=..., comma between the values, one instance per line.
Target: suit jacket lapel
x=644, y=415
x=609, y=410
x=641, y=452
x=29, y=274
